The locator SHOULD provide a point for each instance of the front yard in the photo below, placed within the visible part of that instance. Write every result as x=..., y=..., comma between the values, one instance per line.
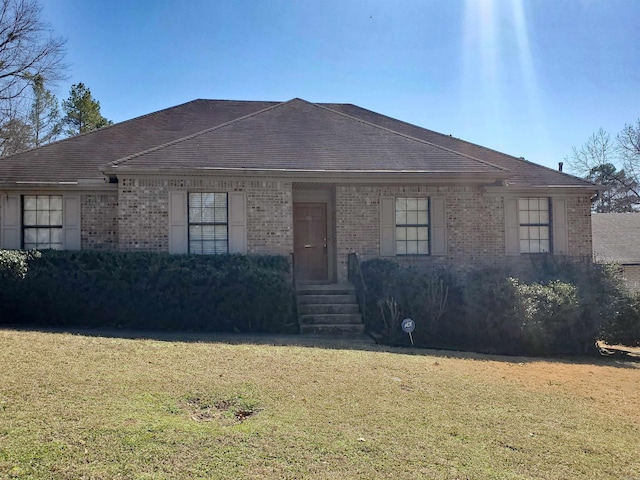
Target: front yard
x=74, y=406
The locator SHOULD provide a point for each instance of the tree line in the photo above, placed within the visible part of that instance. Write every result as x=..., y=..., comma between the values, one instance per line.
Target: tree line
x=31, y=61
x=612, y=162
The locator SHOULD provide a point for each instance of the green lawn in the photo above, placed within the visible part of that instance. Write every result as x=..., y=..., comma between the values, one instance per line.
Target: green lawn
x=89, y=407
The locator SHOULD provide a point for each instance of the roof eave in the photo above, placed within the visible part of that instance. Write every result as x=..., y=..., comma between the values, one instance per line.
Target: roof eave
x=335, y=175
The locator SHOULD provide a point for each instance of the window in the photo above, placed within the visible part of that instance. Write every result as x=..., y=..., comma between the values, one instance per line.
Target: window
x=42, y=222
x=208, y=224
x=535, y=223
x=412, y=226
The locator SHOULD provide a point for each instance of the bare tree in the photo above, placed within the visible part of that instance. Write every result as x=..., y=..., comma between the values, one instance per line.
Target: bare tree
x=44, y=115
x=28, y=50
x=614, y=164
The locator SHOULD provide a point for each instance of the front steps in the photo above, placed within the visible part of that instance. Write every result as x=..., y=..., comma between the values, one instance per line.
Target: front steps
x=329, y=309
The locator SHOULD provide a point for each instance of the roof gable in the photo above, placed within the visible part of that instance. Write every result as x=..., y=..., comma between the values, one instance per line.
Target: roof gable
x=300, y=136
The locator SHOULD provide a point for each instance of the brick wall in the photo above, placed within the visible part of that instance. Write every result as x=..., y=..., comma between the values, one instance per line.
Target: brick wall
x=475, y=225
x=143, y=211
x=99, y=220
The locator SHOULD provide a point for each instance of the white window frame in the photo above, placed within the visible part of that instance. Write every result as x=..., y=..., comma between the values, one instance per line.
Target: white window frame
x=535, y=225
x=413, y=226
x=214, y=220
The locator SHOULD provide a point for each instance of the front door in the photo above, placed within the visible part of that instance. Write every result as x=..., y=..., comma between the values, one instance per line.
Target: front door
x=310, y=241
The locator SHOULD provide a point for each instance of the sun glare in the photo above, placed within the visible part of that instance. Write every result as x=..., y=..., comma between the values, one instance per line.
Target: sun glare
x=498, y=64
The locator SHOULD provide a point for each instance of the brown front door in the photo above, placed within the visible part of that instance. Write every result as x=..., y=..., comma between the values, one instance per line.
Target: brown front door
x=310, y=241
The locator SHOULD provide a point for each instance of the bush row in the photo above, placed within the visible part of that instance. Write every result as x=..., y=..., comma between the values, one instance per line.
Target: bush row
x=146, y=290
x=556, y=307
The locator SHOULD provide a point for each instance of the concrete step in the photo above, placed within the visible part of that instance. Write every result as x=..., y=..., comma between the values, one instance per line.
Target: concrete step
x=352, y=329
x=331, y=319
x=324, y=308
x=332, y=289
x=320, y=299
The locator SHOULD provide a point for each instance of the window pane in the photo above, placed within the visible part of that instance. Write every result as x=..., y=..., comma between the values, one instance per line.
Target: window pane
x=401, y=204
x=29, y=202
x=208, y=215
x=55, y=218
x=544, y=246
x=30, y=217
x=423, y=204
x=208, y=200
x=401, y=248
x=195, y=232
x=221, y=246
x=401, y=217
x=412, y=217
x=524, y=216
x=401, y=233
x=29, y=236
x=423, y=247
x=43, y=235
x=524, y=246
x=544, y=233
x=42, y=218
x=220, y=232
x=55, y=203
x=412, y=203
x=195, y=214
x=195, y=200
x=412, y=233
x=544, y=217
x=534, y=233
x=56, y=235
x=412, y=248
x=221, y=214
x=423, y=218
x=423, y=233
x=42, y=202
x=534, y=217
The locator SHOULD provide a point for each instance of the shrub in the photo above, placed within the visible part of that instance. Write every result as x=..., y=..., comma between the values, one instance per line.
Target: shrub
x=623, y=328
x=556, y=306
x=151, y=290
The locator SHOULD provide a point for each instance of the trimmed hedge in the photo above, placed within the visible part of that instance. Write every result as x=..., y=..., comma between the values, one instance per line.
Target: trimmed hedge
x=558, y=306
x=147, y=290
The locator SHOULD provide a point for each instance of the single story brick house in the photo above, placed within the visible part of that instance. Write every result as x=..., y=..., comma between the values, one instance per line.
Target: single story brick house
x=317, y=180
x=615, y=240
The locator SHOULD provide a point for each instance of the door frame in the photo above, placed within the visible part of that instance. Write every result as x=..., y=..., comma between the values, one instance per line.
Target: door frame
x=325, y=196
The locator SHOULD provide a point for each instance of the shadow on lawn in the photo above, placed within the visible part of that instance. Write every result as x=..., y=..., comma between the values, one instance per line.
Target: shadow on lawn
x=615, y=356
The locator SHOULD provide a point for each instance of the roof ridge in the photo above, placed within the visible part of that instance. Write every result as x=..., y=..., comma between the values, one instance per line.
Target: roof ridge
x=193, y=135
x=408, y=136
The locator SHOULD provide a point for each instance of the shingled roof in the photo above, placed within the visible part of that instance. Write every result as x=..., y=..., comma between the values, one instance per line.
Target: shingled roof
x=290, y=136
x=615, y=237
x=301, y=136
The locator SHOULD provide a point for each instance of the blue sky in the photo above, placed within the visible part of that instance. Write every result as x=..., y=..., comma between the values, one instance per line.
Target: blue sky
x=529, y=78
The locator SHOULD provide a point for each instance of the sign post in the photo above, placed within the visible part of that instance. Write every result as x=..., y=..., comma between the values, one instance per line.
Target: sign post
x=408, y=326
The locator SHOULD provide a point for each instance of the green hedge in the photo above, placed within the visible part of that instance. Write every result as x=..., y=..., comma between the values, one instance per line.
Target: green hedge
x=557, y=306
x=147, y=290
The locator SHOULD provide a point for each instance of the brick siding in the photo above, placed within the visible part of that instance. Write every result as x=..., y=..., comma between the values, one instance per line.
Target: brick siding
x=143, y=211
x=99, y=219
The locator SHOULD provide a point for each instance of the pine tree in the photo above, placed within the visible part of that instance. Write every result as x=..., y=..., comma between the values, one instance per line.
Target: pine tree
x=82, y=112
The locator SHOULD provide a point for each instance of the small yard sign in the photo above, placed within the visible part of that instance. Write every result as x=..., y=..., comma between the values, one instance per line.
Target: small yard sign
x=408, y=326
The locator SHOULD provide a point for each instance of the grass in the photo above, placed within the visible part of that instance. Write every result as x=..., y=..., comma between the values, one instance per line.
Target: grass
x=81, y=406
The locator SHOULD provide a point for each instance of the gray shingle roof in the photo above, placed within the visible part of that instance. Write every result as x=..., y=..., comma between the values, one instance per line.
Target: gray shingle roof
x=302, y=136
x=269, y=135
x=525, y=173
x=616, y=237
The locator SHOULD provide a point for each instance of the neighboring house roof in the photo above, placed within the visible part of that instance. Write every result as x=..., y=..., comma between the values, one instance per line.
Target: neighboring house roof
x=288, y=137
x=616, y=237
